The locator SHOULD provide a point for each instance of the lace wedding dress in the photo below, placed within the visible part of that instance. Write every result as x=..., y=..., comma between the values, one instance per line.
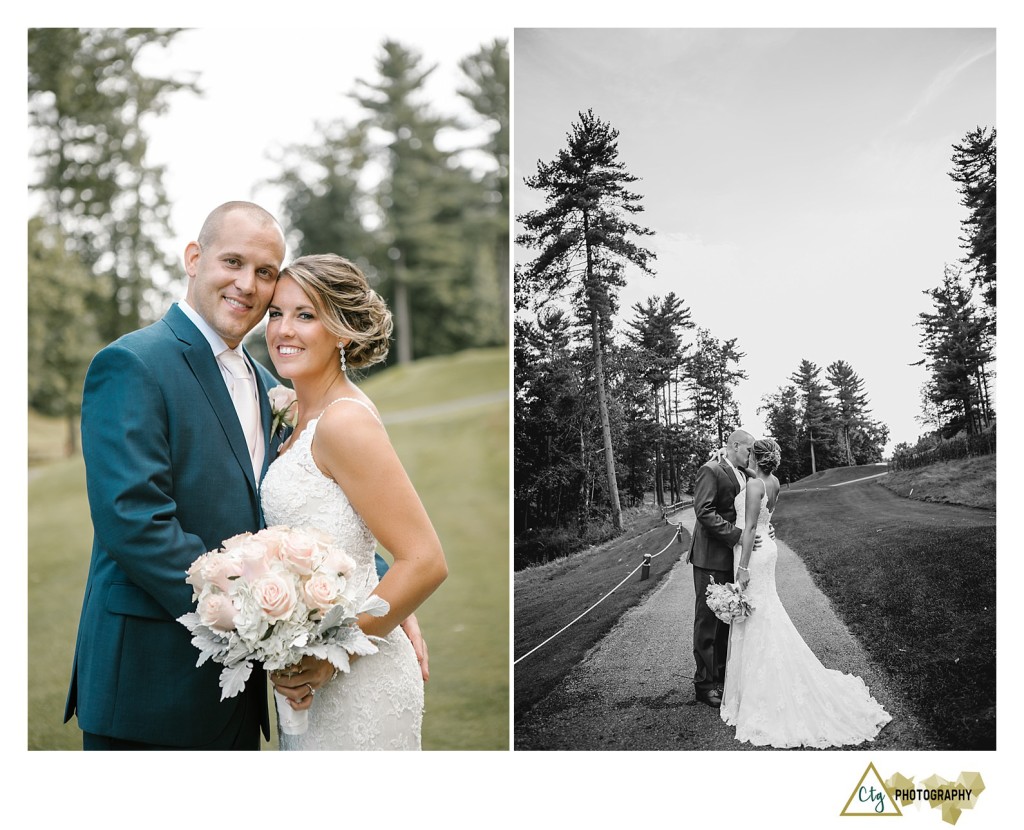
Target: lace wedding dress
x=378, y=704
x=777, y=693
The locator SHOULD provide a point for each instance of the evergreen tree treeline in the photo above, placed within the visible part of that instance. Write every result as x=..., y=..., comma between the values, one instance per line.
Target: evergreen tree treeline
x=958, y=334
x=605, y=418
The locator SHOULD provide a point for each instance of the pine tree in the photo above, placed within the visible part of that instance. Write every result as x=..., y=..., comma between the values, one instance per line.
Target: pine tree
x=713, y=374
x=489, y=93
x=850, y=403
x=424, y=228
x=421, y=208
x=974, y=169
x=656, y=335
x=957, y=340
x=782, y=420
x=584, y=239
x=88, y=102
x=60, y=290
x=816, y=413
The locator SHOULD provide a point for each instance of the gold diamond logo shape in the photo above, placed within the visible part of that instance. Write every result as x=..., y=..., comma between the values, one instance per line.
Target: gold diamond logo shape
x=871, y=797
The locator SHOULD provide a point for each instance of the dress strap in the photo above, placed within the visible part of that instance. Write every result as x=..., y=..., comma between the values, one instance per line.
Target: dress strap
x=363, y=404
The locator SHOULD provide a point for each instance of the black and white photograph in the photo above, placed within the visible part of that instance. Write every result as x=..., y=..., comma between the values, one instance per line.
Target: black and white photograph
x=755, y=389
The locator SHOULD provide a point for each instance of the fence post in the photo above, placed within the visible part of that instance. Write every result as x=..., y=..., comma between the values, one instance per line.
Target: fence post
x=645, y=568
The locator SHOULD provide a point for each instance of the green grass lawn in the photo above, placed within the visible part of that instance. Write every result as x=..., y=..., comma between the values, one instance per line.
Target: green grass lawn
x=969, y=481
x=459, y=464
x=916, y=583
x=547, y=597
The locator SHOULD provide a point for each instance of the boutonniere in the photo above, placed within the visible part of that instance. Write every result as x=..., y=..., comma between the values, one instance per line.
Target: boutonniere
x=284, y=407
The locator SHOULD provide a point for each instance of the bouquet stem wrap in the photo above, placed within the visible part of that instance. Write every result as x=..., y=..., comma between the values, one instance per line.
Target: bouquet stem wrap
x=292, y=722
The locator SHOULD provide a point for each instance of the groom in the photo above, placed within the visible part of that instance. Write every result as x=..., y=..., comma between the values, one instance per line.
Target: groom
x=718, y=483
x=176, y=438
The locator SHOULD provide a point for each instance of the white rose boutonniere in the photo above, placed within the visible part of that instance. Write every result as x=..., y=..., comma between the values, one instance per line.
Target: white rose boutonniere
x=284, y=408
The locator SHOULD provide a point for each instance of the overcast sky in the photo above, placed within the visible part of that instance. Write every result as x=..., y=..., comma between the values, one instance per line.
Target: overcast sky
x=796, y=181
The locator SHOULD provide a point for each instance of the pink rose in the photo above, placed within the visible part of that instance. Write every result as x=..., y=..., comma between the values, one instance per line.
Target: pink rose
x=236, y=540
x=273, y=538
x=275, y=595
x=196, y=577
x=255, y=560
x=222, y=571
x=298, y=551
x=218, y=612
x=321, y=591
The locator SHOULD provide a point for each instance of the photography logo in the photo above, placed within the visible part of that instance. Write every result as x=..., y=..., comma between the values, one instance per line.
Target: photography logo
x=870, y=797
x=874, y=797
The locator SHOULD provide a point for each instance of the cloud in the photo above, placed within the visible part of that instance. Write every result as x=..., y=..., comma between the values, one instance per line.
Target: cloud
x=941, y=82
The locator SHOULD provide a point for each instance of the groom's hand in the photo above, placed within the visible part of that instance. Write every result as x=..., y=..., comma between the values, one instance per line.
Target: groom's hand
x=757, y=538
x=411, y=627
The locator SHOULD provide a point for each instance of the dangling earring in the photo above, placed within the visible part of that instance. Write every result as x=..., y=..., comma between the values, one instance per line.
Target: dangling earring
x=341, y=347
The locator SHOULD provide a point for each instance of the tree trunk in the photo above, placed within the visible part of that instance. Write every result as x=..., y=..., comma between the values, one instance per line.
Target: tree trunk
x=403, y=323
x=71, y=438
x=659, y=490
x=606, y=427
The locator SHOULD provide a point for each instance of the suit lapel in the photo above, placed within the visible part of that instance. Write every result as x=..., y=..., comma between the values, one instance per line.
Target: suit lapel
x=266, y=415
x=200, y=359
x=732, y=477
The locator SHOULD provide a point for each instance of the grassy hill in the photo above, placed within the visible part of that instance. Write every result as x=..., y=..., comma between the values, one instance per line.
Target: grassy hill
x=838, y=475
x=457, y=458
x=968, y=481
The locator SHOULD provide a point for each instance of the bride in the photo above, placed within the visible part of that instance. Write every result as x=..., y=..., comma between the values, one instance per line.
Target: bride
x=338, y=473
x=777, y=693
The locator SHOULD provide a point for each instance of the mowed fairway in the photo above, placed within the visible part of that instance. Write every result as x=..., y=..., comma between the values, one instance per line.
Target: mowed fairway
x=915, y=582
x=457, y=457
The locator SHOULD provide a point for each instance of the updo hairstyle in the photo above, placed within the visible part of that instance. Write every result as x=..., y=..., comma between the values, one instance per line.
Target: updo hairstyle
x=767, y=454
x=348, y=307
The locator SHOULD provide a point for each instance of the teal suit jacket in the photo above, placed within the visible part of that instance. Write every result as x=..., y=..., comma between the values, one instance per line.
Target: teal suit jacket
x=169, y=477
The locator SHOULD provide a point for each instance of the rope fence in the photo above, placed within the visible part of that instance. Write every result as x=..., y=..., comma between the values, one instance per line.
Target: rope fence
x=645, y=564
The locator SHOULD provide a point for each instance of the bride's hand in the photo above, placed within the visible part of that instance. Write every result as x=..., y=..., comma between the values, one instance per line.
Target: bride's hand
x=300, y=683
x=717, y=455
x=743, y=579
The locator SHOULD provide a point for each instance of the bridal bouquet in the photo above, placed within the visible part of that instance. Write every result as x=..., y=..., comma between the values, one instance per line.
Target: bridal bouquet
x=728, y=602
x=273, y=597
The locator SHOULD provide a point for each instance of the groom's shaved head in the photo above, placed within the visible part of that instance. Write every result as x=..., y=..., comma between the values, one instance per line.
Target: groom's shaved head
x=738, y=448
x=214, y=222
x=741, y=436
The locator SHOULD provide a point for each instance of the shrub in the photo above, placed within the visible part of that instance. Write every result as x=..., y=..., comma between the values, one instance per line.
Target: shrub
x=930, y=450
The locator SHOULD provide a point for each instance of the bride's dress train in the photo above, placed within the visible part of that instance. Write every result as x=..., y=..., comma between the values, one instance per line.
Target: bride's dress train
x=378, y=704
x=777, y=693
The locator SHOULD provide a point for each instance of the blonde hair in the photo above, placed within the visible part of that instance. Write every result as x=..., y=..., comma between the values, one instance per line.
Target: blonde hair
x=768, y=454
x=350, y=309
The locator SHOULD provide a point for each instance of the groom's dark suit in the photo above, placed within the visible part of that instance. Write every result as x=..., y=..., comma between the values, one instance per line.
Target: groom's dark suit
x=714, y=536
x=169, y=477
